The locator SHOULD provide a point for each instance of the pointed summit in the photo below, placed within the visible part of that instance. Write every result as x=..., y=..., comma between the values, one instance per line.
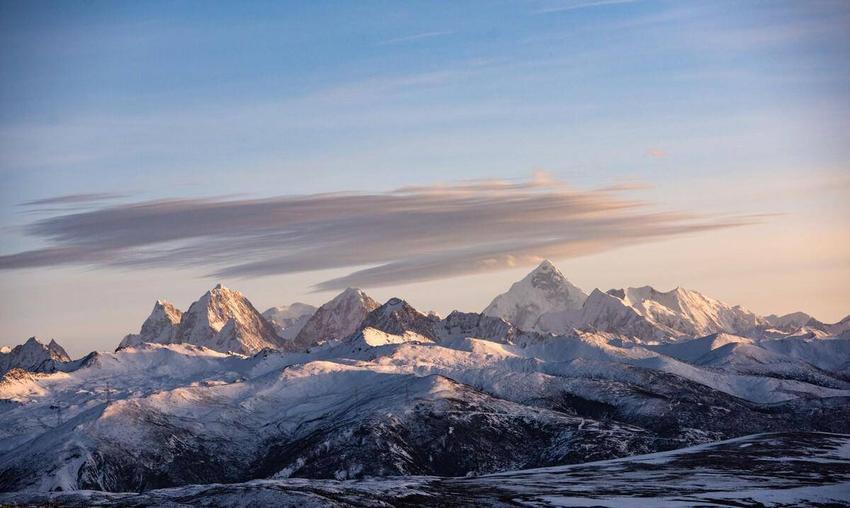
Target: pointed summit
x=546, y=266
x=160, y=326
x=56, y=350
x=33, y=355
x=397, y=316
x=540, y=301
x=222, y=319
x=338, y=318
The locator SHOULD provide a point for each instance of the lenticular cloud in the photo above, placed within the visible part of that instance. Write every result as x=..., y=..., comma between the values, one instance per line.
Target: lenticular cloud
x=385, y=238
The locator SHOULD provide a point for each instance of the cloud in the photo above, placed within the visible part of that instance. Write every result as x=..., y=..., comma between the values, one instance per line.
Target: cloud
x=571, y=6
x=412, y=38
x=656, y=153
x=387, y=238
x=73, y=199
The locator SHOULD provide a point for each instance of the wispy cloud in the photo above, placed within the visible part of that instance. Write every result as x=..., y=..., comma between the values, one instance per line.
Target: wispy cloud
x=410, y=234
x=413, y=38
x=571, y=6
x=72, y=199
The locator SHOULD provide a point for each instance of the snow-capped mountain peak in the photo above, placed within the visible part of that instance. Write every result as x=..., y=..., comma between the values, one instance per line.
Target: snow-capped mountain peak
x=649, y=314
x=338, y=318
x=288, y=320
x=213, y=310
x=540, y=301
x=222, y=320
x=33, y=355
x=397, y=316
x=689, y=312
x=788, y=322
x=160, y=326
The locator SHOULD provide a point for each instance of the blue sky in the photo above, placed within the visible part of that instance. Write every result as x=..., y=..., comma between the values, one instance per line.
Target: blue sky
x=715, y=108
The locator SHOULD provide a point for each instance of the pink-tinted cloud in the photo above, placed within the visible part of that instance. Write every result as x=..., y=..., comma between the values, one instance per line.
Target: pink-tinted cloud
x=410, y=234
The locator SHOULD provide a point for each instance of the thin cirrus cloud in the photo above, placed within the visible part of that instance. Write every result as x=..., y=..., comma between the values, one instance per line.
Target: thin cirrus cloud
x=413, y=38
x=572, y=6
x=406, y=235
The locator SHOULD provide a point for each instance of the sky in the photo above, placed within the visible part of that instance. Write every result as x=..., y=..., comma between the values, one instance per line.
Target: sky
x=432, y=151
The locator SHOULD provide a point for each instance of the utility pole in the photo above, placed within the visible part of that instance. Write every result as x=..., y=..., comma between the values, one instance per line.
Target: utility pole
x=58, y=409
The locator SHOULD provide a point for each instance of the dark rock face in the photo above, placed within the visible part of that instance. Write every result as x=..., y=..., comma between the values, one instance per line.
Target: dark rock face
x=336, y=319
x=469, y=324
x=397, y=316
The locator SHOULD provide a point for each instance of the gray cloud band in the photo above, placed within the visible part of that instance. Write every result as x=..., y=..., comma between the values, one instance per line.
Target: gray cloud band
x=72, y=199
x=406, y=235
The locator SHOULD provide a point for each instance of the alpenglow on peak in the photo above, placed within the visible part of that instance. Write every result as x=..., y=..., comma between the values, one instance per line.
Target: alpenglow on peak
x=538, y=300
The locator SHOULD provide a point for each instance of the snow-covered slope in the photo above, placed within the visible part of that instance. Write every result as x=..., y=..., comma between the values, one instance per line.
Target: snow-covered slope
x=832, y=354
x=33, y=355
x=822, y=362
x=330, y=420
x=288, y=320
x=336, y=319
x=542, y=301
x=372, y=337
x=692, y=350
x=376, y=403
x=787, y=469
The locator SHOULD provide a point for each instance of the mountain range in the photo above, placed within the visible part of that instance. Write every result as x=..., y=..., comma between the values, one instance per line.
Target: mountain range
x=547, y=375
x=222, y=319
